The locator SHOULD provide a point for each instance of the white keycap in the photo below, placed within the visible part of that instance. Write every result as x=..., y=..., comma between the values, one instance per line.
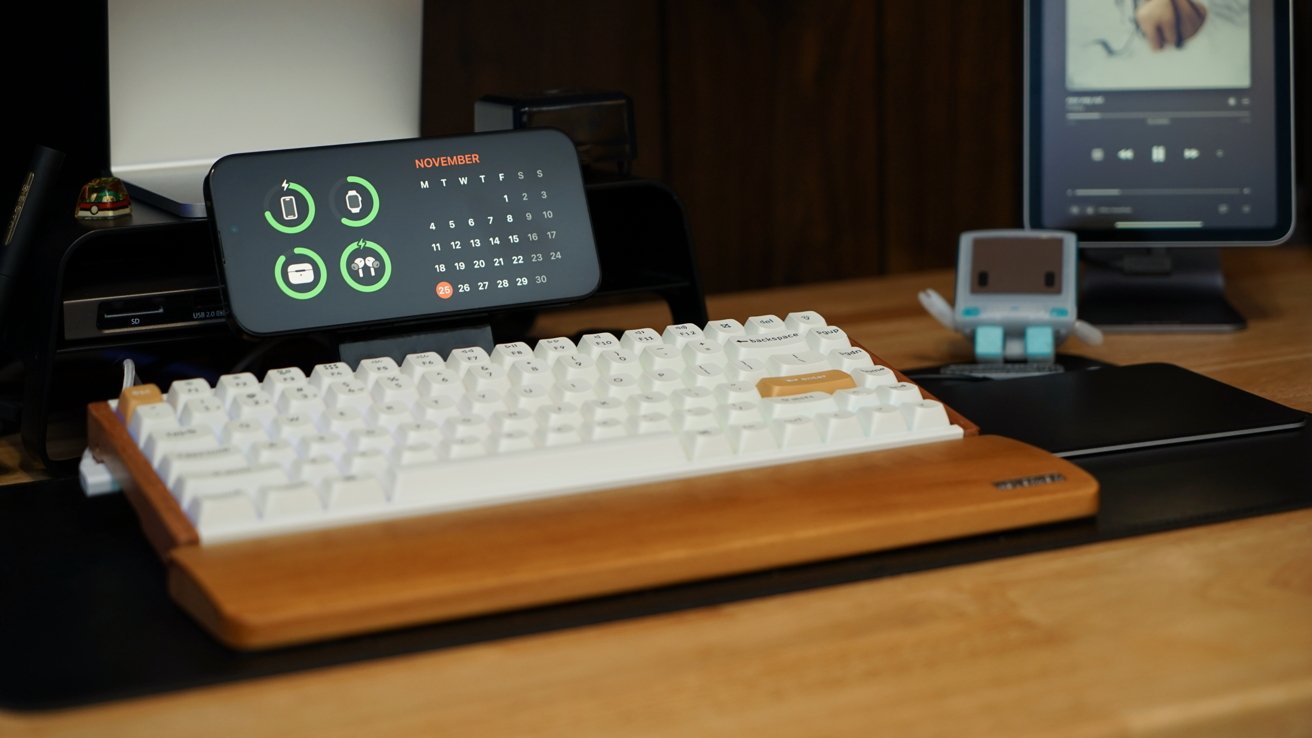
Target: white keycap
x=574, y=391
x=242, y=433
x=882, y=421
x=535, y=372
x=371, y=370
x=639, y=339
x=605, y=428
x=649, y=402
x=850, y=359
x=341, y=421
x=245, y=480
x=804, y=321
x=328, y=445
x=549, y=350
x=292, y=428
x=435, y=409
x=483, y=402
x=369, y=462
x=800, y=362
x=388, y=415
x=595, y=410
x=204, y=412
x=419, y=432
x=354, y=492
x=722, y=330
x=461, y=359
x=839, y=426
x=762, y=347
x=651, y=422
x=688, y=397
x=506, y=354
x=681, y=334
x=230, y=386
x=219, y=514
x=508, y=420
x=486, y=377
x=696, y=419
x=277, y=380
x=362, y=439
x=706, y=375
x=414, y=365
x=762, y=324
x=824, y=340
x=896, y=394
x=323, y=375
x=174, y=465
x=156, y=445
x=415, y=453
x=183, y=391
x=346, y=393
x=281, y=453
x=706, y=443
x=755, y=437
x=529, y=397
x=749, y=371
x=441, y=383
x=852, y=400
x=704, y=352
x=619, y=361
x=253, y=406
x=664, y=381
x=874, y=376
x=315, y=470
x=740, y=413
x=558, y=413
x=300, y=399
x=292, y=501
x=593, y=344
x=394, y=388
x=153, y=417
x=737, y=392
x=924, y=414
x=620, y=386
x=795, y=431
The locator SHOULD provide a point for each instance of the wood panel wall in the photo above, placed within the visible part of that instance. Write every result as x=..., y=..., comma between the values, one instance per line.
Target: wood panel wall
x=808, y=140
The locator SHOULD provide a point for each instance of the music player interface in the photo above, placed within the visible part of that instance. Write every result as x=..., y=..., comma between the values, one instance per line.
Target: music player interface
x=1159, y=115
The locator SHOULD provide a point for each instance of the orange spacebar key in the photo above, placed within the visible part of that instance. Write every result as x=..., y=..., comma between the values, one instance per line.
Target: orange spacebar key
x=830, y=380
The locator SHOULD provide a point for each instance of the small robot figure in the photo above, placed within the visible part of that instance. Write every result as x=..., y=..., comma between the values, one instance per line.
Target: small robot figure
x=1016, y=293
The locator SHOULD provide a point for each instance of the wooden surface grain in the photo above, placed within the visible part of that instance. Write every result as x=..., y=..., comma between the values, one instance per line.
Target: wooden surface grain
x=1206, y=631
x=1199, y=632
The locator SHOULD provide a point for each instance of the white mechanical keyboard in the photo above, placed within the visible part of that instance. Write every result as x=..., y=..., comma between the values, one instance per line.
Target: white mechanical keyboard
x=250, y=457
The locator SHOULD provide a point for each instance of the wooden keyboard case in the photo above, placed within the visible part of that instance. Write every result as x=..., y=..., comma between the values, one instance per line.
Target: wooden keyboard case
x=300, y=587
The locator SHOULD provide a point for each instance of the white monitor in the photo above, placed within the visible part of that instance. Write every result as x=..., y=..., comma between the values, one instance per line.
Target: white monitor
x=193, y=80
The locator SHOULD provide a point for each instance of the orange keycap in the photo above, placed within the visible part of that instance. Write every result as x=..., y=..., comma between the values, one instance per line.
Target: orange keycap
x=830, y=380
x=135, y=396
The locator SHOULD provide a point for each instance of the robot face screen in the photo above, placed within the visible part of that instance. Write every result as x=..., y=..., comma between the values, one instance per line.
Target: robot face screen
x=1016, y=266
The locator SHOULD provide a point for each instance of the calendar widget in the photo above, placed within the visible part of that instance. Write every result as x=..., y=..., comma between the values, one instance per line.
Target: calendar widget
x=401, y=230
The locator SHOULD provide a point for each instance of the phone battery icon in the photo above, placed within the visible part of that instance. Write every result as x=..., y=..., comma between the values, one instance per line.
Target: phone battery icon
x=288, y=207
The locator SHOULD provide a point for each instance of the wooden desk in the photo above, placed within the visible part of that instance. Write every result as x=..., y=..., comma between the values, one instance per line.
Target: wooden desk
x=1199, y=632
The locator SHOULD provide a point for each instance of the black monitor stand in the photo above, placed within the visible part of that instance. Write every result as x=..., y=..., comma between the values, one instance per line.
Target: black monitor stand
x=1155, y=290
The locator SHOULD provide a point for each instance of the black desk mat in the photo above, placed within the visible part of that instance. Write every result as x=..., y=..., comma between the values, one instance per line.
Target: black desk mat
x=85, y=618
